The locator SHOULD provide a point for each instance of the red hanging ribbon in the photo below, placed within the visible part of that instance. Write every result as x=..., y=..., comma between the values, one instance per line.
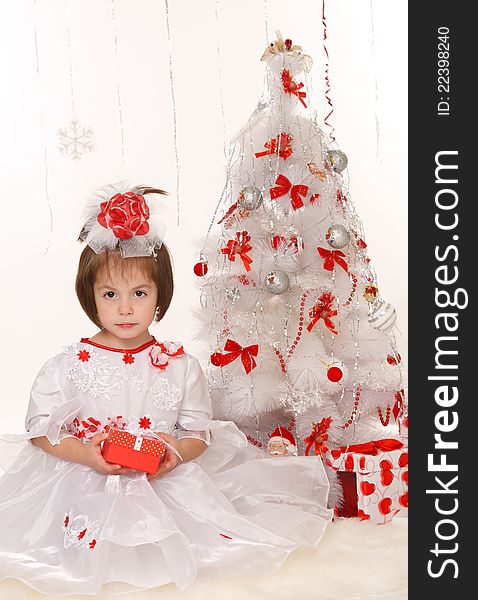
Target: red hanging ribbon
x=247, y=355
x=279, y=145
x=232, y=208
x=319, y=430
x=399, y=402
x=373, y=448
x=327, y=81
x=331, y=257
x=291, y=87
x=284, y=186
x=323, y=310
x=239, y=246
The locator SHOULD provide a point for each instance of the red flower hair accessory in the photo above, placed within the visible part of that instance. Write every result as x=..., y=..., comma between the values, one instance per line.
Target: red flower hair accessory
x=125, y=214
x=119, y=216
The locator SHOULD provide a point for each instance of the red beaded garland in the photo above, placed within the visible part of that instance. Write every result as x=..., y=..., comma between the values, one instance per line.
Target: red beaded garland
x=354, y=289
x=385, y=421
x=253, y=441
x=355, y=408
x=297, y=337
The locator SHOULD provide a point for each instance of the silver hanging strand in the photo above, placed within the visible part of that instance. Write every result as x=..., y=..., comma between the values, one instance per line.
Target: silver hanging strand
x=173, y=100
x=42, y=126
x=70, y=64
x=118, y=91
x=372, y=41
x=219, y=73
x=266, y=20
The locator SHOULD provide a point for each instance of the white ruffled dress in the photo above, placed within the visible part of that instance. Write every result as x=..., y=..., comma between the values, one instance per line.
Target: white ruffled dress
x=67, y=529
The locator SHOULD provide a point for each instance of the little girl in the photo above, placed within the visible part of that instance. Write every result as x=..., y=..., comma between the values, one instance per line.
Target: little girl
x=217, y=507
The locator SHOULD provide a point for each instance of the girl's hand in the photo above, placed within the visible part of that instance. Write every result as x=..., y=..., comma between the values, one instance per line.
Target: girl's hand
x=170, y=459
x=94, y=459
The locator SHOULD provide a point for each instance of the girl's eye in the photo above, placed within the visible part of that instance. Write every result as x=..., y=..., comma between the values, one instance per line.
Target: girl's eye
x=109, y=294
x=140, y=292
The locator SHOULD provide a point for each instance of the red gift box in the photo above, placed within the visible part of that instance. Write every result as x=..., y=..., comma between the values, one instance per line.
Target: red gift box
x=374, y=478
x=133, y=451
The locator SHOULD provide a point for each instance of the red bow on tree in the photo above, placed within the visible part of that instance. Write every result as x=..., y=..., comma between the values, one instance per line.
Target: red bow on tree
x=241, y=247
x=322, y=310
x=291, y=87
x=218, y=359
x=318, y=436
x=284, y=186
x=331, y=257
x=279, y=145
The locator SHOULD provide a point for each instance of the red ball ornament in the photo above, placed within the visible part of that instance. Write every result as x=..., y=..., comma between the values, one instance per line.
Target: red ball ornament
x=394, y=361
x=334, y=374
x=216, y=359
x=200, y=268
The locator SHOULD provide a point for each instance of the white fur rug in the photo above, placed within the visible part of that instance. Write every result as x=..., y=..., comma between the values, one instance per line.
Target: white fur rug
x=355, y=561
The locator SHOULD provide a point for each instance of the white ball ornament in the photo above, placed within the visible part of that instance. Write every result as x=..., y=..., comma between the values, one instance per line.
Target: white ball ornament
x=233, y=293
x=382, y=316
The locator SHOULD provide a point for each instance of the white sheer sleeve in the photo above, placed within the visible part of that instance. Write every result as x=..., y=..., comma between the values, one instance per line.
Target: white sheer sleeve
x=47, y=415
x=195, y=419
x=196, y=409
x=48, y=409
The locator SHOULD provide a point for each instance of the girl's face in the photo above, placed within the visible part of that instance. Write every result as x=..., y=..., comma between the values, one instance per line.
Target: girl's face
x=126, y=307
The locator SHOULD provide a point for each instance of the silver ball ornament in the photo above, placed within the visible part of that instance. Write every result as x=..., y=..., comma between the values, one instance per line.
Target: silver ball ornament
x=233, y=293
x=382, y=316
x=277, y=282
x=250, y=198
x=337, y=236
x=338, y=160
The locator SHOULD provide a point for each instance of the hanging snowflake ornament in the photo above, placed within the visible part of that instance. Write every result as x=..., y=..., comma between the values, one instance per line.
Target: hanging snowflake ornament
x=75, y=140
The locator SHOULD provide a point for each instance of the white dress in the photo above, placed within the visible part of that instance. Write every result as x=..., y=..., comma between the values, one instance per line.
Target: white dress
x=67, y=529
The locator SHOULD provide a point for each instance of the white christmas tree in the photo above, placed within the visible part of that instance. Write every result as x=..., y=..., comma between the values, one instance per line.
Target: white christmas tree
x=297, y=332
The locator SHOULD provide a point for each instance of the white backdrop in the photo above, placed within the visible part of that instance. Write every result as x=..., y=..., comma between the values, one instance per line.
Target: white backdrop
x=114, y=56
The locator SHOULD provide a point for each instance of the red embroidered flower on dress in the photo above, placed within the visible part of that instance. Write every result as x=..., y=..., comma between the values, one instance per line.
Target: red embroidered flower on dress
x=116, y=423
x=145, y=423
x=91, y=424
x=160, y=354
x=83, y=355
x=79, y=531
x=84, y=429
x=125, y=214
x=128, y=359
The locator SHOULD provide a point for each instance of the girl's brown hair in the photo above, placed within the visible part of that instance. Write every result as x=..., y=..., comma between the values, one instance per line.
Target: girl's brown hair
x=156, y=268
